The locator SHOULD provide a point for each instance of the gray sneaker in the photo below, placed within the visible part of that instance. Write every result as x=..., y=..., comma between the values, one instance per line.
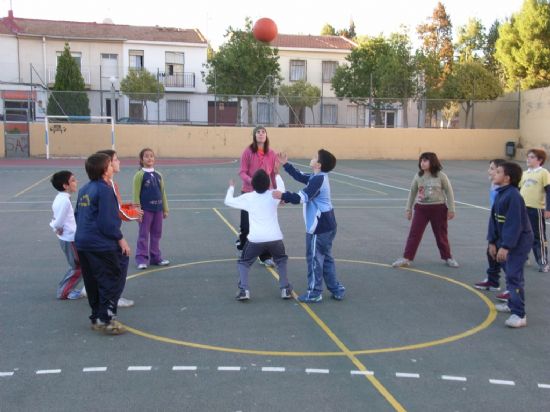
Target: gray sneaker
x=125, y=303
x=503, y=308
x=286, y=293
x=268, y=263
x=515, y=321
x=401, y=263
x=243, y=295
x=452, y=263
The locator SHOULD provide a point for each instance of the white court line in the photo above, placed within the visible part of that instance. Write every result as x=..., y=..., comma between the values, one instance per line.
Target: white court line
x=309, y=370
x=543, y=386
x=453, y=378
x=139, y=368
x=6, y=374
x=369, y=373
x=501, y=382
x=47, y=371
x=95, y=369
x=184, y=368
x=229, y=368
x=272, y=369
x=407, y=375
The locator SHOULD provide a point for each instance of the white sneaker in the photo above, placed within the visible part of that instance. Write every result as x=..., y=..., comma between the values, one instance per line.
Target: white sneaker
x=268, y=263
x=125, y=303
x=83, y=293
x=515, y=321
x=142, y=266
x=163, y=262
x=452, y=263
x=503, y=308
x=401, y=263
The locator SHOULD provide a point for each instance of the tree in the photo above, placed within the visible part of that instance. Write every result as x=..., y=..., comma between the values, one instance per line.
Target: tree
x=471, y=41
x=470, y=81
x=328, y=30
x=489, y=61
x=68, y=97
x=298, y=96
x=523, y=46
x=142, y=85
x=243, y=67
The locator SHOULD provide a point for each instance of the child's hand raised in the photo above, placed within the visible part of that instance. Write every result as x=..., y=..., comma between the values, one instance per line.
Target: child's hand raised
x=277, y=194
x=231, y=182
x=282, y=157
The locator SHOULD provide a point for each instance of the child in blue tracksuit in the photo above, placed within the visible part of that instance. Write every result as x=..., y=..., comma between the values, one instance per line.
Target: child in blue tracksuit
x=99, y=243
x=320, y=224
x=510, y=239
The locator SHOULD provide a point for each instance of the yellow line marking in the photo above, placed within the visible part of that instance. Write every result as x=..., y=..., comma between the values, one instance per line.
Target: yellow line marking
x=33, y=185
x=375, y=382
x=358, y=186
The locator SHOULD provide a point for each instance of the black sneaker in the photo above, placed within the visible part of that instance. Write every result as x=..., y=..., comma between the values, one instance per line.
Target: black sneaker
x=286, y=293
x=243, y=295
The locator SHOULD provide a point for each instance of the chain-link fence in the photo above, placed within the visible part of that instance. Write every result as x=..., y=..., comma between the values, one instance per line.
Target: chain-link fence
x=276, y=111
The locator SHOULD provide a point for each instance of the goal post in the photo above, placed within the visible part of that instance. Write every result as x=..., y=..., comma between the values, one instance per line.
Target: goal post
x=68, y=119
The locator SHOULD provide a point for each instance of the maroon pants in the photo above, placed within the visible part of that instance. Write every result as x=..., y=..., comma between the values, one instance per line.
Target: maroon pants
x=436, y=215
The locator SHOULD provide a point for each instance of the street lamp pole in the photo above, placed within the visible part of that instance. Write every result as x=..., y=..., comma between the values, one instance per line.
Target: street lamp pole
x=113, y=79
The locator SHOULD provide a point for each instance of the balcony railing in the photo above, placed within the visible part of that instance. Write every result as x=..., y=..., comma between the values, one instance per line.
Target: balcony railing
x=86, y=74
x=186, y=80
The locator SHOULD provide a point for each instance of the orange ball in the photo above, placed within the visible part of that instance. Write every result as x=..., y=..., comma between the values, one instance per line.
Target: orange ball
x=265, y=30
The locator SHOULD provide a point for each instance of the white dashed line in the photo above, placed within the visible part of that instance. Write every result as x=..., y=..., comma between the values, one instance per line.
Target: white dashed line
x=453, y=378
x=544, y=386
x=47, y=371
x=184, y=368
x=6, y=374
x=308, y=371
x=139, y=368
x=407, y=375
x=95, y=369
x=273, y=369
x=501, y=382
x=229, y=368
x=361, y=372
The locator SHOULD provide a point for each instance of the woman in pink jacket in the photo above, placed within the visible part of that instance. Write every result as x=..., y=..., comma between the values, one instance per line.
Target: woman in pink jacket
x=256, y=156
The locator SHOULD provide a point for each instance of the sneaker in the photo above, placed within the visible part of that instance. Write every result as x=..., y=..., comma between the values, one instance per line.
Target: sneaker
x=238, y=245
x=339, y=295
x=310, y=298
x=98, y=325
x=401, y=263
x=286, y=293
x=503, y=308
x=243, y=295
x=268, y=263
x=83, y=293
x=75, y=294
x=544, y=268
x=486, y=285
x=125, y=303
x=503, y=297
x=452, y=263
x=114, y=327
x=163, y=262
x=142, y=266
x=515, y=321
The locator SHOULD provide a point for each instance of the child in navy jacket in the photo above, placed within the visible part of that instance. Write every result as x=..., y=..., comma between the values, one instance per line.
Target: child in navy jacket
x=510, y=238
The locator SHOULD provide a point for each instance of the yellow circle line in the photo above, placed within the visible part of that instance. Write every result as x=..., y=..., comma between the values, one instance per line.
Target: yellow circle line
x=488, y=320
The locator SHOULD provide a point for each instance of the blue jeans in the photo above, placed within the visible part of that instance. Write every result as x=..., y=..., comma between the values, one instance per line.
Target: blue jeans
x=320, y=263
x=515, y=282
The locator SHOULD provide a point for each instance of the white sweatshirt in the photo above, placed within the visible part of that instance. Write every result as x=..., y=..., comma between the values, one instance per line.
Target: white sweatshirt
x=63, y=217
x=262, y=211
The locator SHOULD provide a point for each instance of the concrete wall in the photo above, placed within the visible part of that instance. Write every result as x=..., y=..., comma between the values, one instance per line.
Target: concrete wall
x=535, y=123
x=187, y=141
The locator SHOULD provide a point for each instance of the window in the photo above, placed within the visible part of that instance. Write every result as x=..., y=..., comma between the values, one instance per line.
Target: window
x=77, y=56
x=297, y=70
x=264, y=113
x=174, y=69
x=136, y=59
x=177, y=110
x=329, y=68
x=330, y=114
x=109, y=65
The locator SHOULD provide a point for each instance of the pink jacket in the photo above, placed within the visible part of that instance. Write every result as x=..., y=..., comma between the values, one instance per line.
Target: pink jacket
x=250, y=162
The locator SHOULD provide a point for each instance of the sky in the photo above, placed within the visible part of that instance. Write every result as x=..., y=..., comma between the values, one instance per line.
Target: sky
x=214, y=17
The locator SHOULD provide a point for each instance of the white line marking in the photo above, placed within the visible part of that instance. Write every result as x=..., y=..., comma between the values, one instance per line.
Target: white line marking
x=47, y=371
x=362, y=373
x=272, y=369
x=407, y=375
x=184, y=368
x=95, y=369
x=139, y=368
x=501, y=382
x=6, y=373
x=453, y=378
x=317, y=370
x=544, y=386
x=229, y=368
